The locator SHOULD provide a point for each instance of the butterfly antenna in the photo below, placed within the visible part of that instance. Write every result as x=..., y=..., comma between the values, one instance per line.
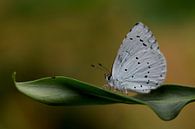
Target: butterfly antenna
x=101, y=67
x=96, y=66
x=104, y=68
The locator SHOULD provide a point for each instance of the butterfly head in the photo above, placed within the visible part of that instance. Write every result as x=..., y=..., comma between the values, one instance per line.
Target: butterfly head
x=111, y=82
x=108, y=76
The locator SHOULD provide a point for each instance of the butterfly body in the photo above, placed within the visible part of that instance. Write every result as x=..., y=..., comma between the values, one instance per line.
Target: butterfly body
x=139, y=65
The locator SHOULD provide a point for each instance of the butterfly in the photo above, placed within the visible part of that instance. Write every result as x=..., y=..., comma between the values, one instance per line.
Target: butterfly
x=139, y=65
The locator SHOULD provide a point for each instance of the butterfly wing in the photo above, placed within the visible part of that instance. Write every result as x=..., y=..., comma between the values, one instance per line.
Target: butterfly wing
x=139, y=64
x=139, y=38
x=144, y=71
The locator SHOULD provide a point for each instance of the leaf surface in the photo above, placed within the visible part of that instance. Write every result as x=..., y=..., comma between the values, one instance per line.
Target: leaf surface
x=167, y=101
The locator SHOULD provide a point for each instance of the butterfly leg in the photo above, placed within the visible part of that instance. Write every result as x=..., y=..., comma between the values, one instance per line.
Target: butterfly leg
x=115, y=89
x=125, y=91
x=106, y=86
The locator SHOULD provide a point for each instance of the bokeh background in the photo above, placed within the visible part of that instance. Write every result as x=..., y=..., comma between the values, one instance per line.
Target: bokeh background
x=41, y=38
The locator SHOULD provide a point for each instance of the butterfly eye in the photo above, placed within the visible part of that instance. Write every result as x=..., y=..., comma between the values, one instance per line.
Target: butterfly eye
x=108, y=77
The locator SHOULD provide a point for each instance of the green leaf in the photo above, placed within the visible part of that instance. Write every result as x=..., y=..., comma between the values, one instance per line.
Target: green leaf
x=167, y=101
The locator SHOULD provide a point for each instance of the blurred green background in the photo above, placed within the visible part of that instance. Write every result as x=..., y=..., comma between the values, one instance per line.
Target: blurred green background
x=41, y=38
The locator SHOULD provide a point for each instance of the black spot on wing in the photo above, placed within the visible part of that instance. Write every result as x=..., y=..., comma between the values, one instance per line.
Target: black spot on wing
x=148, y=82
x=141, y=40
x=144, y=44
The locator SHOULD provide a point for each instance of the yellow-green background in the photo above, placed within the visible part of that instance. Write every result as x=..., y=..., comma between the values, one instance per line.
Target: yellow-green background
x=41, y=38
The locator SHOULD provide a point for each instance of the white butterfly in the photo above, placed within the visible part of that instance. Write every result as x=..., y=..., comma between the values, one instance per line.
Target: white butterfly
x=139, y=65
